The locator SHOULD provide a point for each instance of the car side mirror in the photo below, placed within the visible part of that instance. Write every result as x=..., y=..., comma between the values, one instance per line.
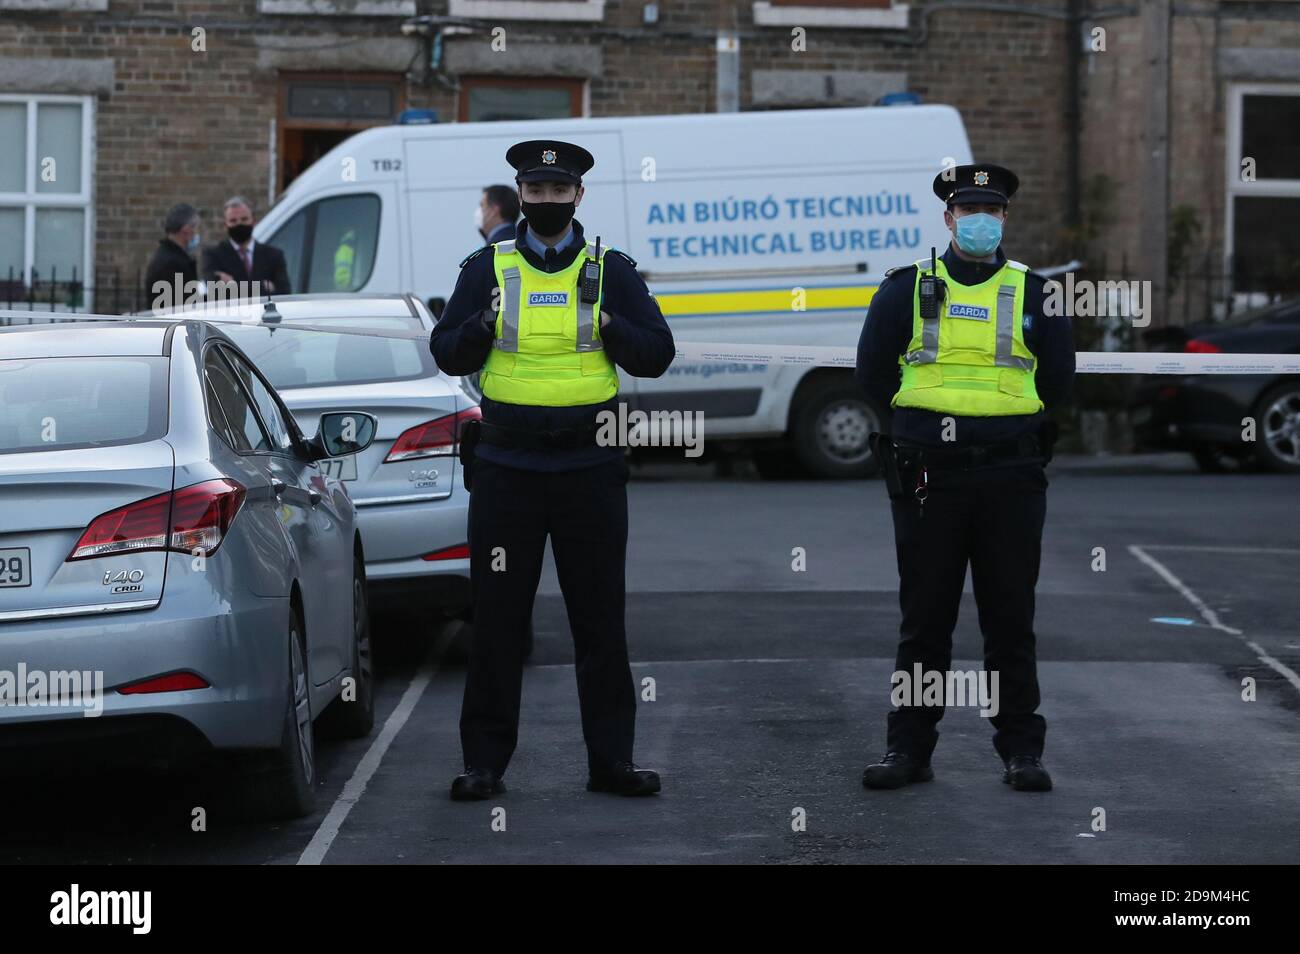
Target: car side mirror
x=342, y=433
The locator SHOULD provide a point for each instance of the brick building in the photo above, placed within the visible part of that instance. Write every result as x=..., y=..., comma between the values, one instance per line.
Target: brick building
x=1128, y=122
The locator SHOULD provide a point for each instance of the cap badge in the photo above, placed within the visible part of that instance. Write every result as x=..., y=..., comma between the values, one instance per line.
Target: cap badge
x=981, y=178
x=548, y=156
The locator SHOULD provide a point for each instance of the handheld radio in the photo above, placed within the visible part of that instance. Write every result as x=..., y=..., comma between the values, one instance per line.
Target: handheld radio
x=589, y=283
x=932, y=290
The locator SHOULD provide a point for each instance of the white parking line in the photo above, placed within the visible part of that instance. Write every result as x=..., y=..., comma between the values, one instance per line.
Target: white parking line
x=1213, y=549
x=1210, y=616
x=320, y=843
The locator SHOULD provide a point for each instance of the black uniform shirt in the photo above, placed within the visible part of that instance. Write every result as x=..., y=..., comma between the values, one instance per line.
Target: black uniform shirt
x=637, y=339
x=888, y=331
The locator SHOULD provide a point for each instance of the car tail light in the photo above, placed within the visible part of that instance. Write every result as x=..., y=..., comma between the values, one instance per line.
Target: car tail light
x=1198, y=346
x=194, y=519
x=434, y=438
x=459, y=552
x=175, y=682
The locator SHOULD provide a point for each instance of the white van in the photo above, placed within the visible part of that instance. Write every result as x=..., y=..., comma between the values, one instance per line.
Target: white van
x=750, y=228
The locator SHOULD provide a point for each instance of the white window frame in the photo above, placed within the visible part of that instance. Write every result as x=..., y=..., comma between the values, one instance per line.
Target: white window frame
x=29, y=199
x=1279, y=188
x=809, y=13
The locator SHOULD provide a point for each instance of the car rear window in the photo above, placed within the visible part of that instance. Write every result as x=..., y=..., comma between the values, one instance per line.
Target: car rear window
x=293, y=358
x=66, y=403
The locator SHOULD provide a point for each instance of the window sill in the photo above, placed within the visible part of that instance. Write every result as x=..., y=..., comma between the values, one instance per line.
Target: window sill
x=811, y=15
x=590, y=11
x=339, y=8
x=71, y=6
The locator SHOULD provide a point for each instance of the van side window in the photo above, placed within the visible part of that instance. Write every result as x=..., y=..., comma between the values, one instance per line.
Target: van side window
x=289, y=239
x=343, y=246
x=329, y=246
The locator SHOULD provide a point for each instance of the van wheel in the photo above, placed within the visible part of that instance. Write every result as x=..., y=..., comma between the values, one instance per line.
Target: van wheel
x=283, y=785
x=1278, y=422
x=831, y=427
x=355, y=718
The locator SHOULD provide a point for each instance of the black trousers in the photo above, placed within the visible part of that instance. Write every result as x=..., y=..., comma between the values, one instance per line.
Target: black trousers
x=992, y=519
x=511, y=513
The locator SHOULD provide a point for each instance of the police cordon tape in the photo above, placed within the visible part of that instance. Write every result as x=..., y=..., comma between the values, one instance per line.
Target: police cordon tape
x=1087, y=362
x=822, y=356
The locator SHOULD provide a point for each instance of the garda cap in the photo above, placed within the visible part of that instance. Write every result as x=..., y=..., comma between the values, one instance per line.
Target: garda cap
x=549, y=160
x=976, y=184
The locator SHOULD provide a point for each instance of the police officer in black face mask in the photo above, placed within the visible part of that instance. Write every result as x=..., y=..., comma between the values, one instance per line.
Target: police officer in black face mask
x=546, y=318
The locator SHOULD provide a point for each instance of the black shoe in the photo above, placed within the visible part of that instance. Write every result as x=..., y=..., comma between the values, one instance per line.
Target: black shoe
x=624, y=778
x=895, y=770
x=1025, y=773
x=476, y=785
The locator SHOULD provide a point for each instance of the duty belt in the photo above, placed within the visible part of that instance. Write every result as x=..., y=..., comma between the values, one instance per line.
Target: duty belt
x=938, y=458
x=569, y=438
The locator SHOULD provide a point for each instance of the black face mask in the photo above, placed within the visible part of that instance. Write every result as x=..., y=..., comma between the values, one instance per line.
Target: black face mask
x=548, y=218
x=240, y=233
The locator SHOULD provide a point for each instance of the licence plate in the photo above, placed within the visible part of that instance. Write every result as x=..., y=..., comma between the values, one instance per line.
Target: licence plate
x=340, y=468
x=16, y=566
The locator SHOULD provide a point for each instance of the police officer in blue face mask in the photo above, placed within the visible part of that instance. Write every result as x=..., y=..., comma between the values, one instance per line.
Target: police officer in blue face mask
x=963, y=350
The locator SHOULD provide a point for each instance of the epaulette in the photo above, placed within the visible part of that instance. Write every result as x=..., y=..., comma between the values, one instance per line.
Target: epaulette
x=473, y=255
x=621, y=254
x=897, y=268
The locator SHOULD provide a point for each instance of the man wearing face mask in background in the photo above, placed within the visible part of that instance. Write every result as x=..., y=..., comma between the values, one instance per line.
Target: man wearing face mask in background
x=240, y=259
x=972, y=373
x=547, y=317
x=171, y=269
x=497, y=213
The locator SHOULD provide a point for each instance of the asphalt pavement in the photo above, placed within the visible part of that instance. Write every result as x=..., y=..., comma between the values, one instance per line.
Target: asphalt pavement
x=770, y=686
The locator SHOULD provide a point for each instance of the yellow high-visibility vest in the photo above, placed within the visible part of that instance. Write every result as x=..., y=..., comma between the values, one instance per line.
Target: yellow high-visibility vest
x=344, y=259
x=972, y=360
x=547, y=349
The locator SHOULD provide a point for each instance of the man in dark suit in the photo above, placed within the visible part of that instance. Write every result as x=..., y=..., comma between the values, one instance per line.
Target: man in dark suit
x=498, y=211
x=240, y=259
x=171, y=269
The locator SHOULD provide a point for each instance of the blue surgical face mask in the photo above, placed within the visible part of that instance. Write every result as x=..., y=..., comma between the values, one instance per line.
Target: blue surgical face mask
x=979, y=234
x=193, y=243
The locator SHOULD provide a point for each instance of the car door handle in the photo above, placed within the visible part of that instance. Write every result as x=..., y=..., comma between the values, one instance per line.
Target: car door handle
x=277, y=485
x=314, y=496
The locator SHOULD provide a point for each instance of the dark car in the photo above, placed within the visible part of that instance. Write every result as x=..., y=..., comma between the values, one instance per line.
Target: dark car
x=1207, y=414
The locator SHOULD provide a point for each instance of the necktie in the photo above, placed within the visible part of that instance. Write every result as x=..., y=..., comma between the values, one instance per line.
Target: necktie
x=551, y=256
x=247, y=260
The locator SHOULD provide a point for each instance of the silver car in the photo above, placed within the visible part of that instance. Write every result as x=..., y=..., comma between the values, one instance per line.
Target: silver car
x=411, y=504
x=172, y=556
